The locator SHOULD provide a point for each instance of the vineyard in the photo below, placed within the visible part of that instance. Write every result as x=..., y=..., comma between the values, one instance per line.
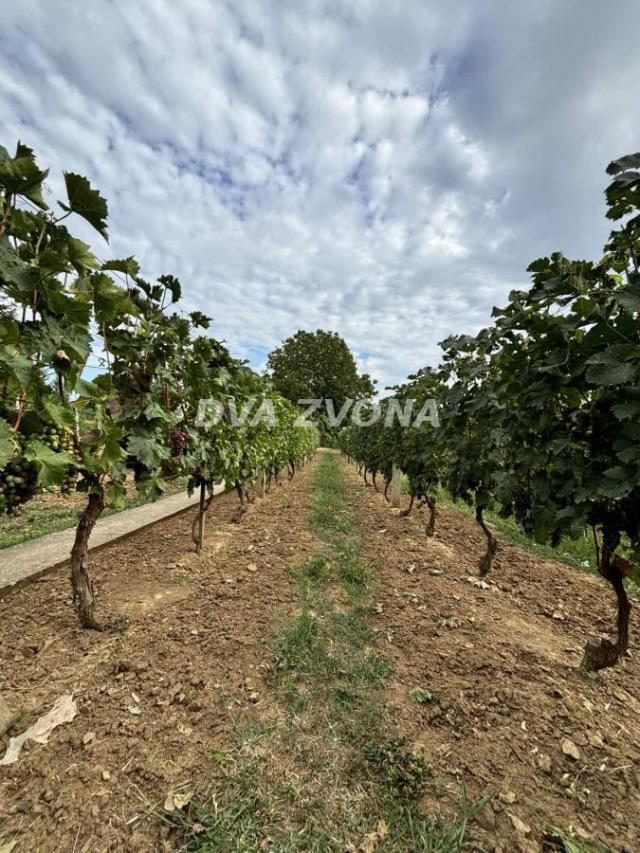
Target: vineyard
x=318, y=658
x=142, y=414
x=540, y=413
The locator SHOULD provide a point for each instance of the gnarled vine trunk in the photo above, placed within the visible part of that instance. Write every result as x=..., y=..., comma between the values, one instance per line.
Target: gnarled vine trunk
x=599, y=654
x=387, y=483
x=197, y=529
x=430, y=527
x=365, y=477
x=84, y=596
x=486, y=561
x=241, y=508
x=407, y=511
x=375, y=484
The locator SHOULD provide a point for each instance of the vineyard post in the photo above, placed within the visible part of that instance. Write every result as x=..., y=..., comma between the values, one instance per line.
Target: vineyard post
x=396, y=486
x=261, y=483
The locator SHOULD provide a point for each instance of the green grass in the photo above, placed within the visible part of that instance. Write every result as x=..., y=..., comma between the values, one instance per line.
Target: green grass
x=341, y=774
x=575, y=552
x=50, y=513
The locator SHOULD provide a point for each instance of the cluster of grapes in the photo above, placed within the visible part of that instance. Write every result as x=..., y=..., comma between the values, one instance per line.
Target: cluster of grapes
x=179, y=440
x=62, y=440
x=18, y=480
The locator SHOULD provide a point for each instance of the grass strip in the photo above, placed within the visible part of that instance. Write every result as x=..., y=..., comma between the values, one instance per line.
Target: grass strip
x=326, y=774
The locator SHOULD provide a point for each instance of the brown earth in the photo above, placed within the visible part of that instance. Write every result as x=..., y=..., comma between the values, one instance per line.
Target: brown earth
x=159, y=692
x=502, y=666
x=185, y=662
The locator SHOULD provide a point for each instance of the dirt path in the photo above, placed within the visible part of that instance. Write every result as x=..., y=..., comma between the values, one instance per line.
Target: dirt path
x=501, y=667
x=28, y=559
x=157, y=697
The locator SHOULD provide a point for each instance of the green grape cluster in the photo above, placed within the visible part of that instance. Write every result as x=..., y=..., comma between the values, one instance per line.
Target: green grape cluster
x=18, y=481
x=62, y=441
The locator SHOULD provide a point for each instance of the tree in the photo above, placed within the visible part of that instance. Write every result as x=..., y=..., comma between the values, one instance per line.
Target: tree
x=318, y=366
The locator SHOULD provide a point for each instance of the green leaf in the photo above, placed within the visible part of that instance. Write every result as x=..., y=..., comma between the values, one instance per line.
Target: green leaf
x=199, y=319
x=115, y=495
x=86, y=202
x=610, y=374
x=80, y=256
x=14, y=270
x=87, y=389
x=611, y=366
x=154, y=411
x=629, y=161
x=128, y=266
x=21, y=176
x=109, y=299
x=51, y=465
x=147, y=450
x=7, y=443
x=173, y=286
x=9, y=331
x=624, y=411
x=112, y=453
x=57, y=413
x=629, y=298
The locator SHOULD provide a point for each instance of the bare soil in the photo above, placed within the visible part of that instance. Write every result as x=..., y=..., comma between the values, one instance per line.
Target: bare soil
x=502, y=667
x=161, y=690
x=186, y=659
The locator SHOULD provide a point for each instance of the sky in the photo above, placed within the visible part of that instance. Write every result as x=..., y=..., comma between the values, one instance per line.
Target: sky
x=386, y=169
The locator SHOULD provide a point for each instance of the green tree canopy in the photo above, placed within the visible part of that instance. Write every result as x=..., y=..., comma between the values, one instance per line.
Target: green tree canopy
x=313, y=365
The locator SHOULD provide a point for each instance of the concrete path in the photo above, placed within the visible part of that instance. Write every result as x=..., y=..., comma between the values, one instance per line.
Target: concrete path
x=28, y=559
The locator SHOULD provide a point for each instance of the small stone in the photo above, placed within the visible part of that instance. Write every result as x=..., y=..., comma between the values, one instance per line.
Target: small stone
x=106, y=775
x=519, y=825
x=254, y=697
x=88, y=738
x=252, y=567
x=527, y=845
x=569, y=748
x=7, y=716
x=544, y=763
x=508, y=797
x=486, y=818
x=48, y=795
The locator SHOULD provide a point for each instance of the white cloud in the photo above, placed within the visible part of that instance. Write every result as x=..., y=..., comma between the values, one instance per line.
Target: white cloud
x=384, y=170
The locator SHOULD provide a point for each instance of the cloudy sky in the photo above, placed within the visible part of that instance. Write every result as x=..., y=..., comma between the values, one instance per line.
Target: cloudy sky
x=386, y=169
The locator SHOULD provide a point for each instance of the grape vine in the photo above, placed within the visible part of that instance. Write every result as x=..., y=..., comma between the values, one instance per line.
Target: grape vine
x=540, y=412
x=60, y=306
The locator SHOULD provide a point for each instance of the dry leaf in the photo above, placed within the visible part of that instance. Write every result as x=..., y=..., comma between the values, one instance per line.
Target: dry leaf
x=176, y=802
x=63, y=711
